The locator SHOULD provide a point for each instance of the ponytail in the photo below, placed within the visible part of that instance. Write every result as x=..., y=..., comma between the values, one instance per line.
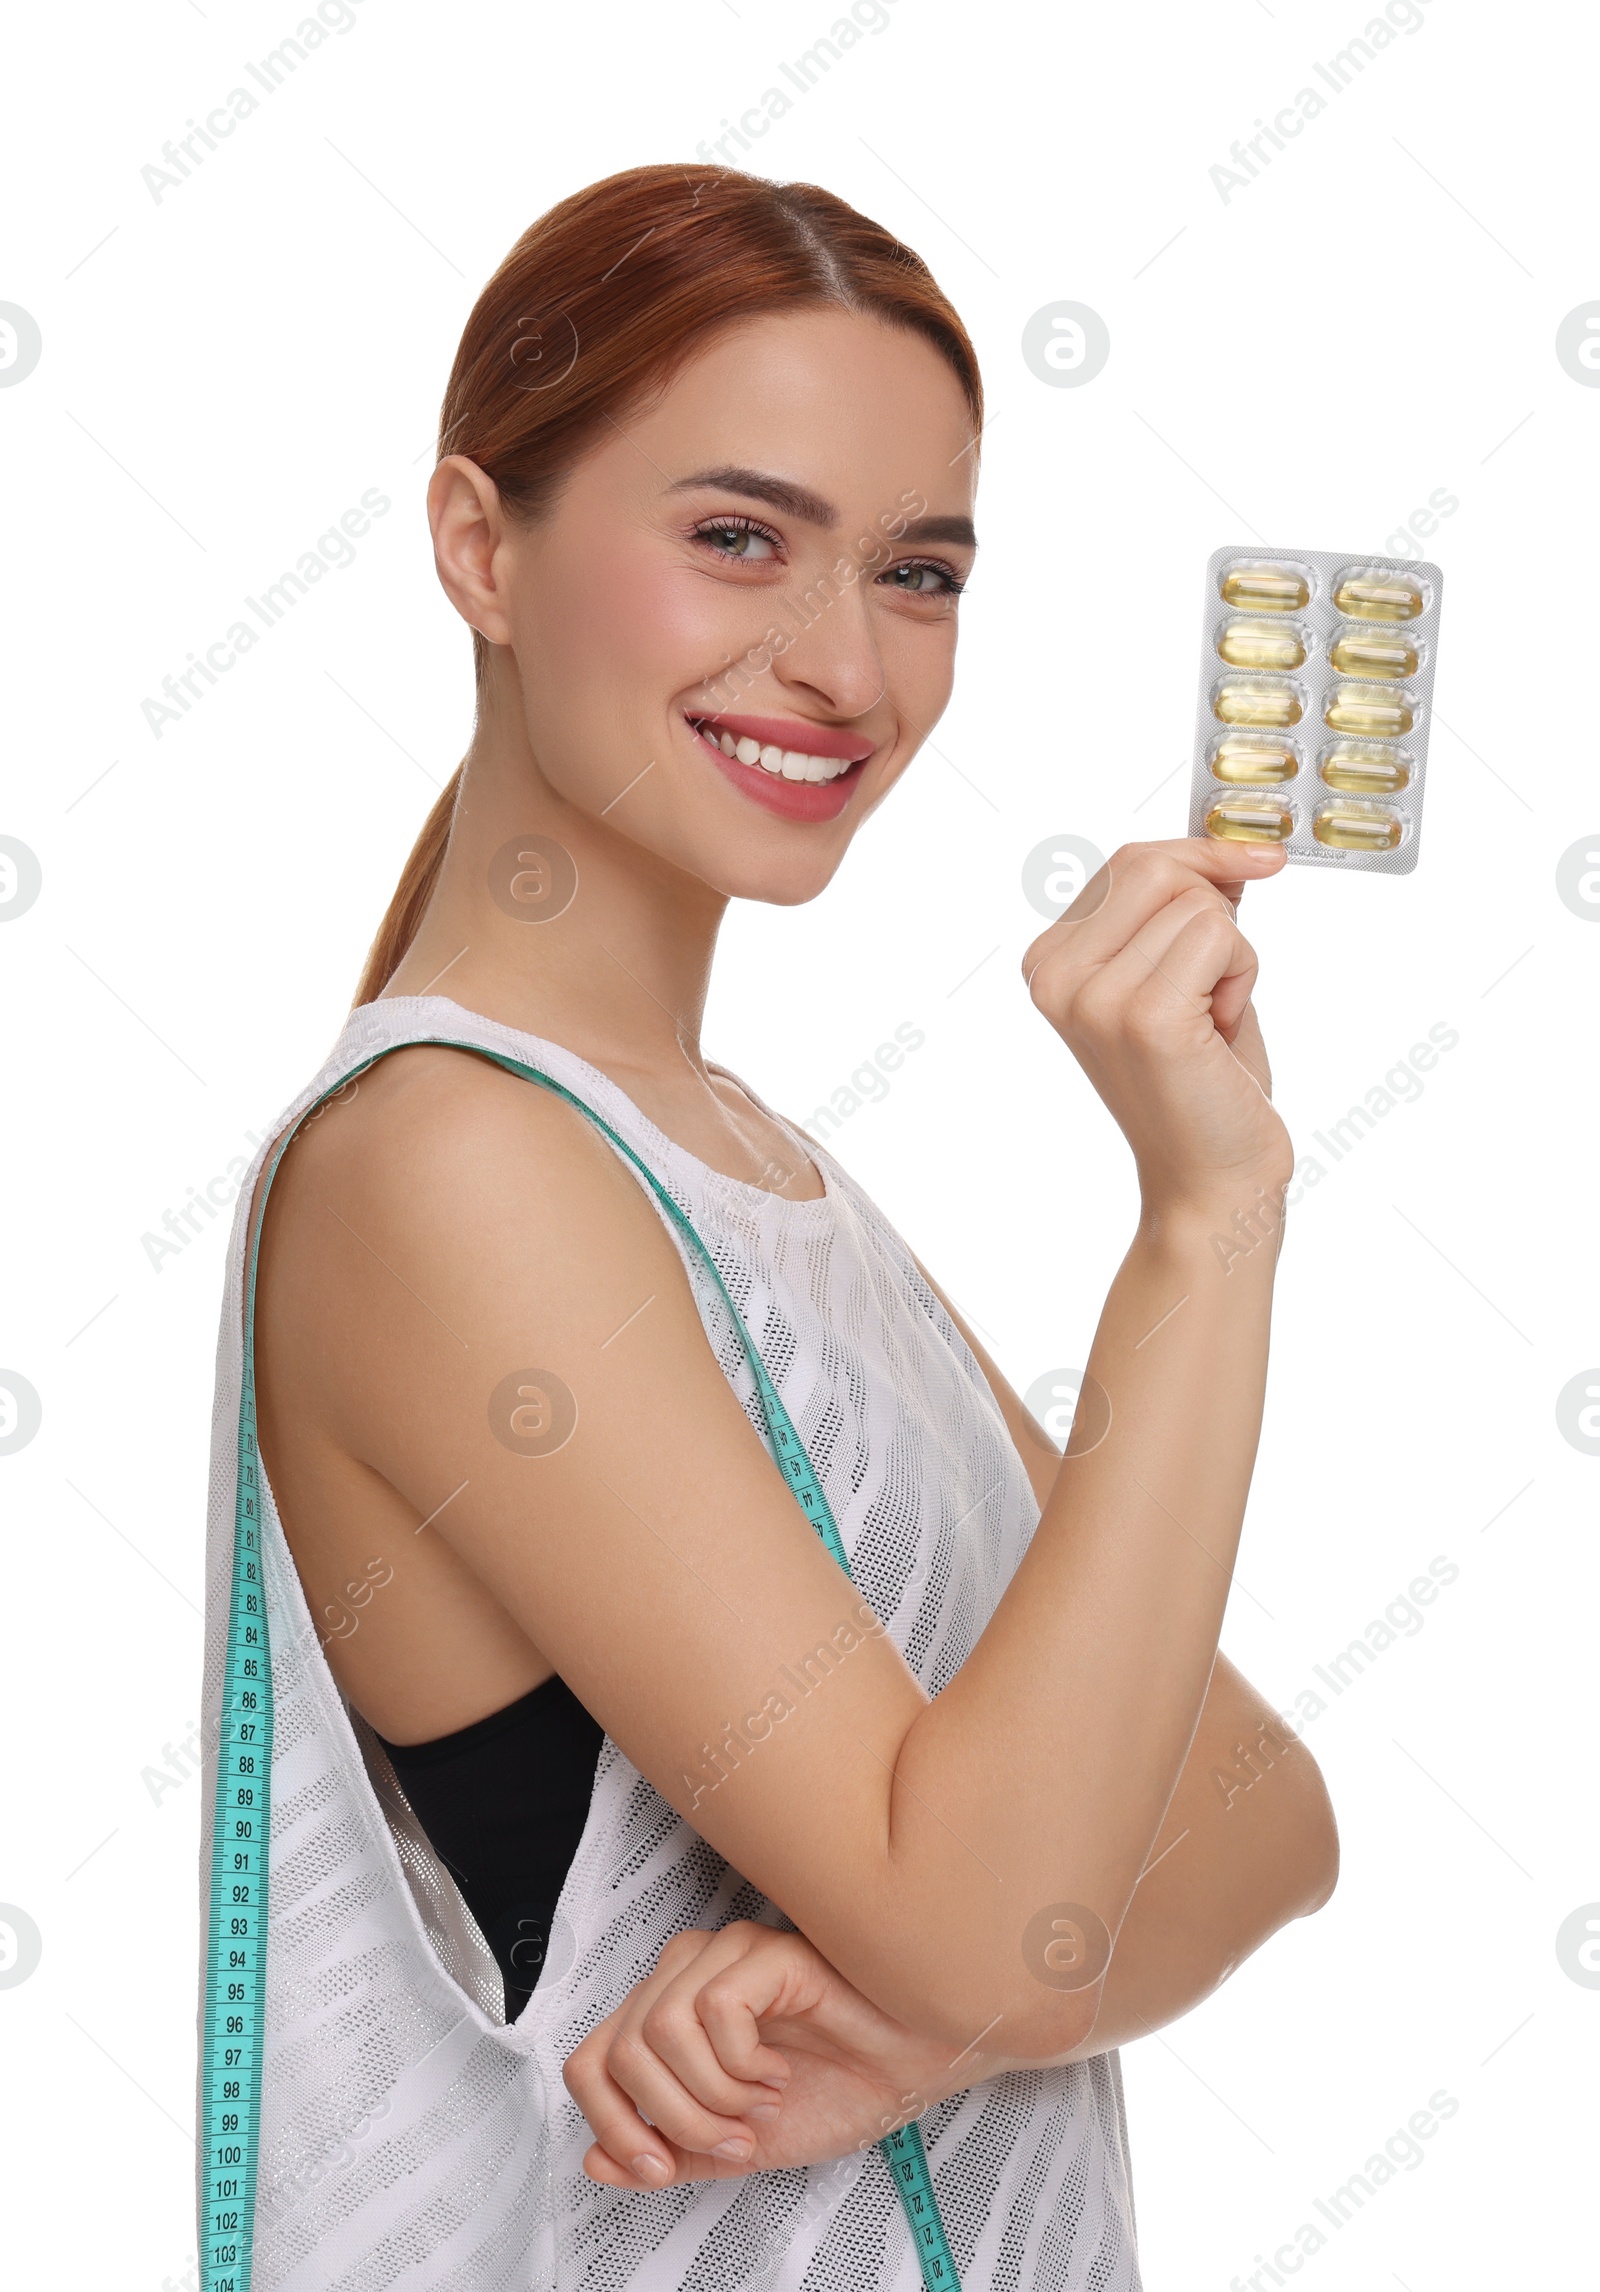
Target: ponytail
x=412, y=894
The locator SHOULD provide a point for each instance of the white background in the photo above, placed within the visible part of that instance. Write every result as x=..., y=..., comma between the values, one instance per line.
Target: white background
x=1368, y=322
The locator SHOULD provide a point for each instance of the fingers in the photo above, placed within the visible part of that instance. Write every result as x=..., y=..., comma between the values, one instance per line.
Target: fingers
x=1196, y=952
x=679, y=2039
x=598, y=2165
x=1135, y=884
x=649, y=2079
x=647, y=2127
x=784, y=1980
x=641, y=2073
x=627, y=2153
x=704, y=2023
x=635, y=2155
x=728, y=2011
x=1150, y=871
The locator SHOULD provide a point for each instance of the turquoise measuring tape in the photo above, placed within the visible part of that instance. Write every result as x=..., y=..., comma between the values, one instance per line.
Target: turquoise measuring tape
x=230, y=2081
x=236, y=1949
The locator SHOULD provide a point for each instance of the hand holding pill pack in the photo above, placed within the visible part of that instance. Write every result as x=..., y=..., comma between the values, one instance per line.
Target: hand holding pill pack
x=1316, y=685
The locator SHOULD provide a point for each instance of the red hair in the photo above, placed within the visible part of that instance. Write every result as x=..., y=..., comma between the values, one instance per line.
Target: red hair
x=595, y=308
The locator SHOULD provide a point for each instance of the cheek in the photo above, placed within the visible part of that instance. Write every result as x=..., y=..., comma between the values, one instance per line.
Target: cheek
x=921, y=666
x=646, y=627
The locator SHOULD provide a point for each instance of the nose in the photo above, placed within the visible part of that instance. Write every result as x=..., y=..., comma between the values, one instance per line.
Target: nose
x=833, y=664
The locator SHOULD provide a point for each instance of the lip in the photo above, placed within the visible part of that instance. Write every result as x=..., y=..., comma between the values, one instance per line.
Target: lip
x=794, y=732
x=790, y=799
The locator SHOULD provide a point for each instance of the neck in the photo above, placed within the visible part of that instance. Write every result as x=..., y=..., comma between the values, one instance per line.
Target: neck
x=619, y=975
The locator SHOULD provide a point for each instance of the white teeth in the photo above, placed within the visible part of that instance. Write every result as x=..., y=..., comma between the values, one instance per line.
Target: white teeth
x=783, y=763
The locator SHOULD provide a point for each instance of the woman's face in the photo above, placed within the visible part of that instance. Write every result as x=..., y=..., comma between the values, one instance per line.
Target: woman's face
x=765, y=561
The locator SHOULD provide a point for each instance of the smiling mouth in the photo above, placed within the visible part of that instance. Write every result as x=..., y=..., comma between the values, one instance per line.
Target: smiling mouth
x=778, y=762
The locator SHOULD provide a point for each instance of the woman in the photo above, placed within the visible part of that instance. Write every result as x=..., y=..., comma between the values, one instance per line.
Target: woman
x=541, y=1294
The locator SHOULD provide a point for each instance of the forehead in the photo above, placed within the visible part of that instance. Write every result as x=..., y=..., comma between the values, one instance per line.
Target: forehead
x=854, y=408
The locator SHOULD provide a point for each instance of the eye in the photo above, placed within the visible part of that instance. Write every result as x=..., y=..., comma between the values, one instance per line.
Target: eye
x=924, y=577
x=740, y=538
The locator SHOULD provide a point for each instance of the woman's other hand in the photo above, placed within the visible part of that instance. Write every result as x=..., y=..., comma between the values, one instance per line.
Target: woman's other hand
x=744, y=2050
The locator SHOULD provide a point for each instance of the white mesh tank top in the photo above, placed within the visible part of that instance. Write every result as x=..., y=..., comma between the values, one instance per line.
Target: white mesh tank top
x=410, y=2138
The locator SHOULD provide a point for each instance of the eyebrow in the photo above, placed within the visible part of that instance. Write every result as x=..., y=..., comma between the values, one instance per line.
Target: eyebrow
x=758, y=485
x=953, y=529
x=796, y=500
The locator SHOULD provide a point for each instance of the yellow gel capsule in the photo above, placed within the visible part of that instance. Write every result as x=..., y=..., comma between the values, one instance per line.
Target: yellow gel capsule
x=1265, y=588
x=1366, y=771
x=1373, y=596
x=1261, y=645
x=1372, y=653
x=1238, y=821
x=1357, y=828
x=1274, y=707
x=1375, y=715
x=1252, y=764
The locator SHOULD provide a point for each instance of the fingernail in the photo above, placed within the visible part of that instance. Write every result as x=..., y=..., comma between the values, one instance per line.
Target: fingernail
x=650, y=2168
x=764, y=2109
x=733, y=2149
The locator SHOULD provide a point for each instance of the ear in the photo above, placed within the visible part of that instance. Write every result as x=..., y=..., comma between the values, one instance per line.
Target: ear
x=469, y=523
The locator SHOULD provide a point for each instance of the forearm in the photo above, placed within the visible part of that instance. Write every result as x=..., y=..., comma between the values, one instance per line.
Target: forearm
x=1042, y=1773
x=1249, y=1842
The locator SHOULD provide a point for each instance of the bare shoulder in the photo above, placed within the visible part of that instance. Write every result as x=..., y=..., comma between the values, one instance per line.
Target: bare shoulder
x=429, y=1112
x=444, y=1210
x=452, y=1150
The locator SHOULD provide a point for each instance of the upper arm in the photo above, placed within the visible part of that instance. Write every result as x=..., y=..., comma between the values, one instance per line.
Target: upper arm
x=488, y=1253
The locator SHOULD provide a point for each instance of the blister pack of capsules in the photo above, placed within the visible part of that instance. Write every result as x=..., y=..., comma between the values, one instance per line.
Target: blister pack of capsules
x=1316, y=689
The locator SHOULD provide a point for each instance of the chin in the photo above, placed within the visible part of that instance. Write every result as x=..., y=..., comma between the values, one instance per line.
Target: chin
x=773, y=880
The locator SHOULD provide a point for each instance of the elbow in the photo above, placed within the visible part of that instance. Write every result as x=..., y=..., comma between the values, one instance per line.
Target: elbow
x=1324, y=1866
x=1044, y=2036
x=1020, y=2021
x=1314, y=1856
x=1058, y=1966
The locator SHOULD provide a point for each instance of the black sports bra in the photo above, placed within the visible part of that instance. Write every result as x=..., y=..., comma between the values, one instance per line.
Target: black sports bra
x=504, y=1803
